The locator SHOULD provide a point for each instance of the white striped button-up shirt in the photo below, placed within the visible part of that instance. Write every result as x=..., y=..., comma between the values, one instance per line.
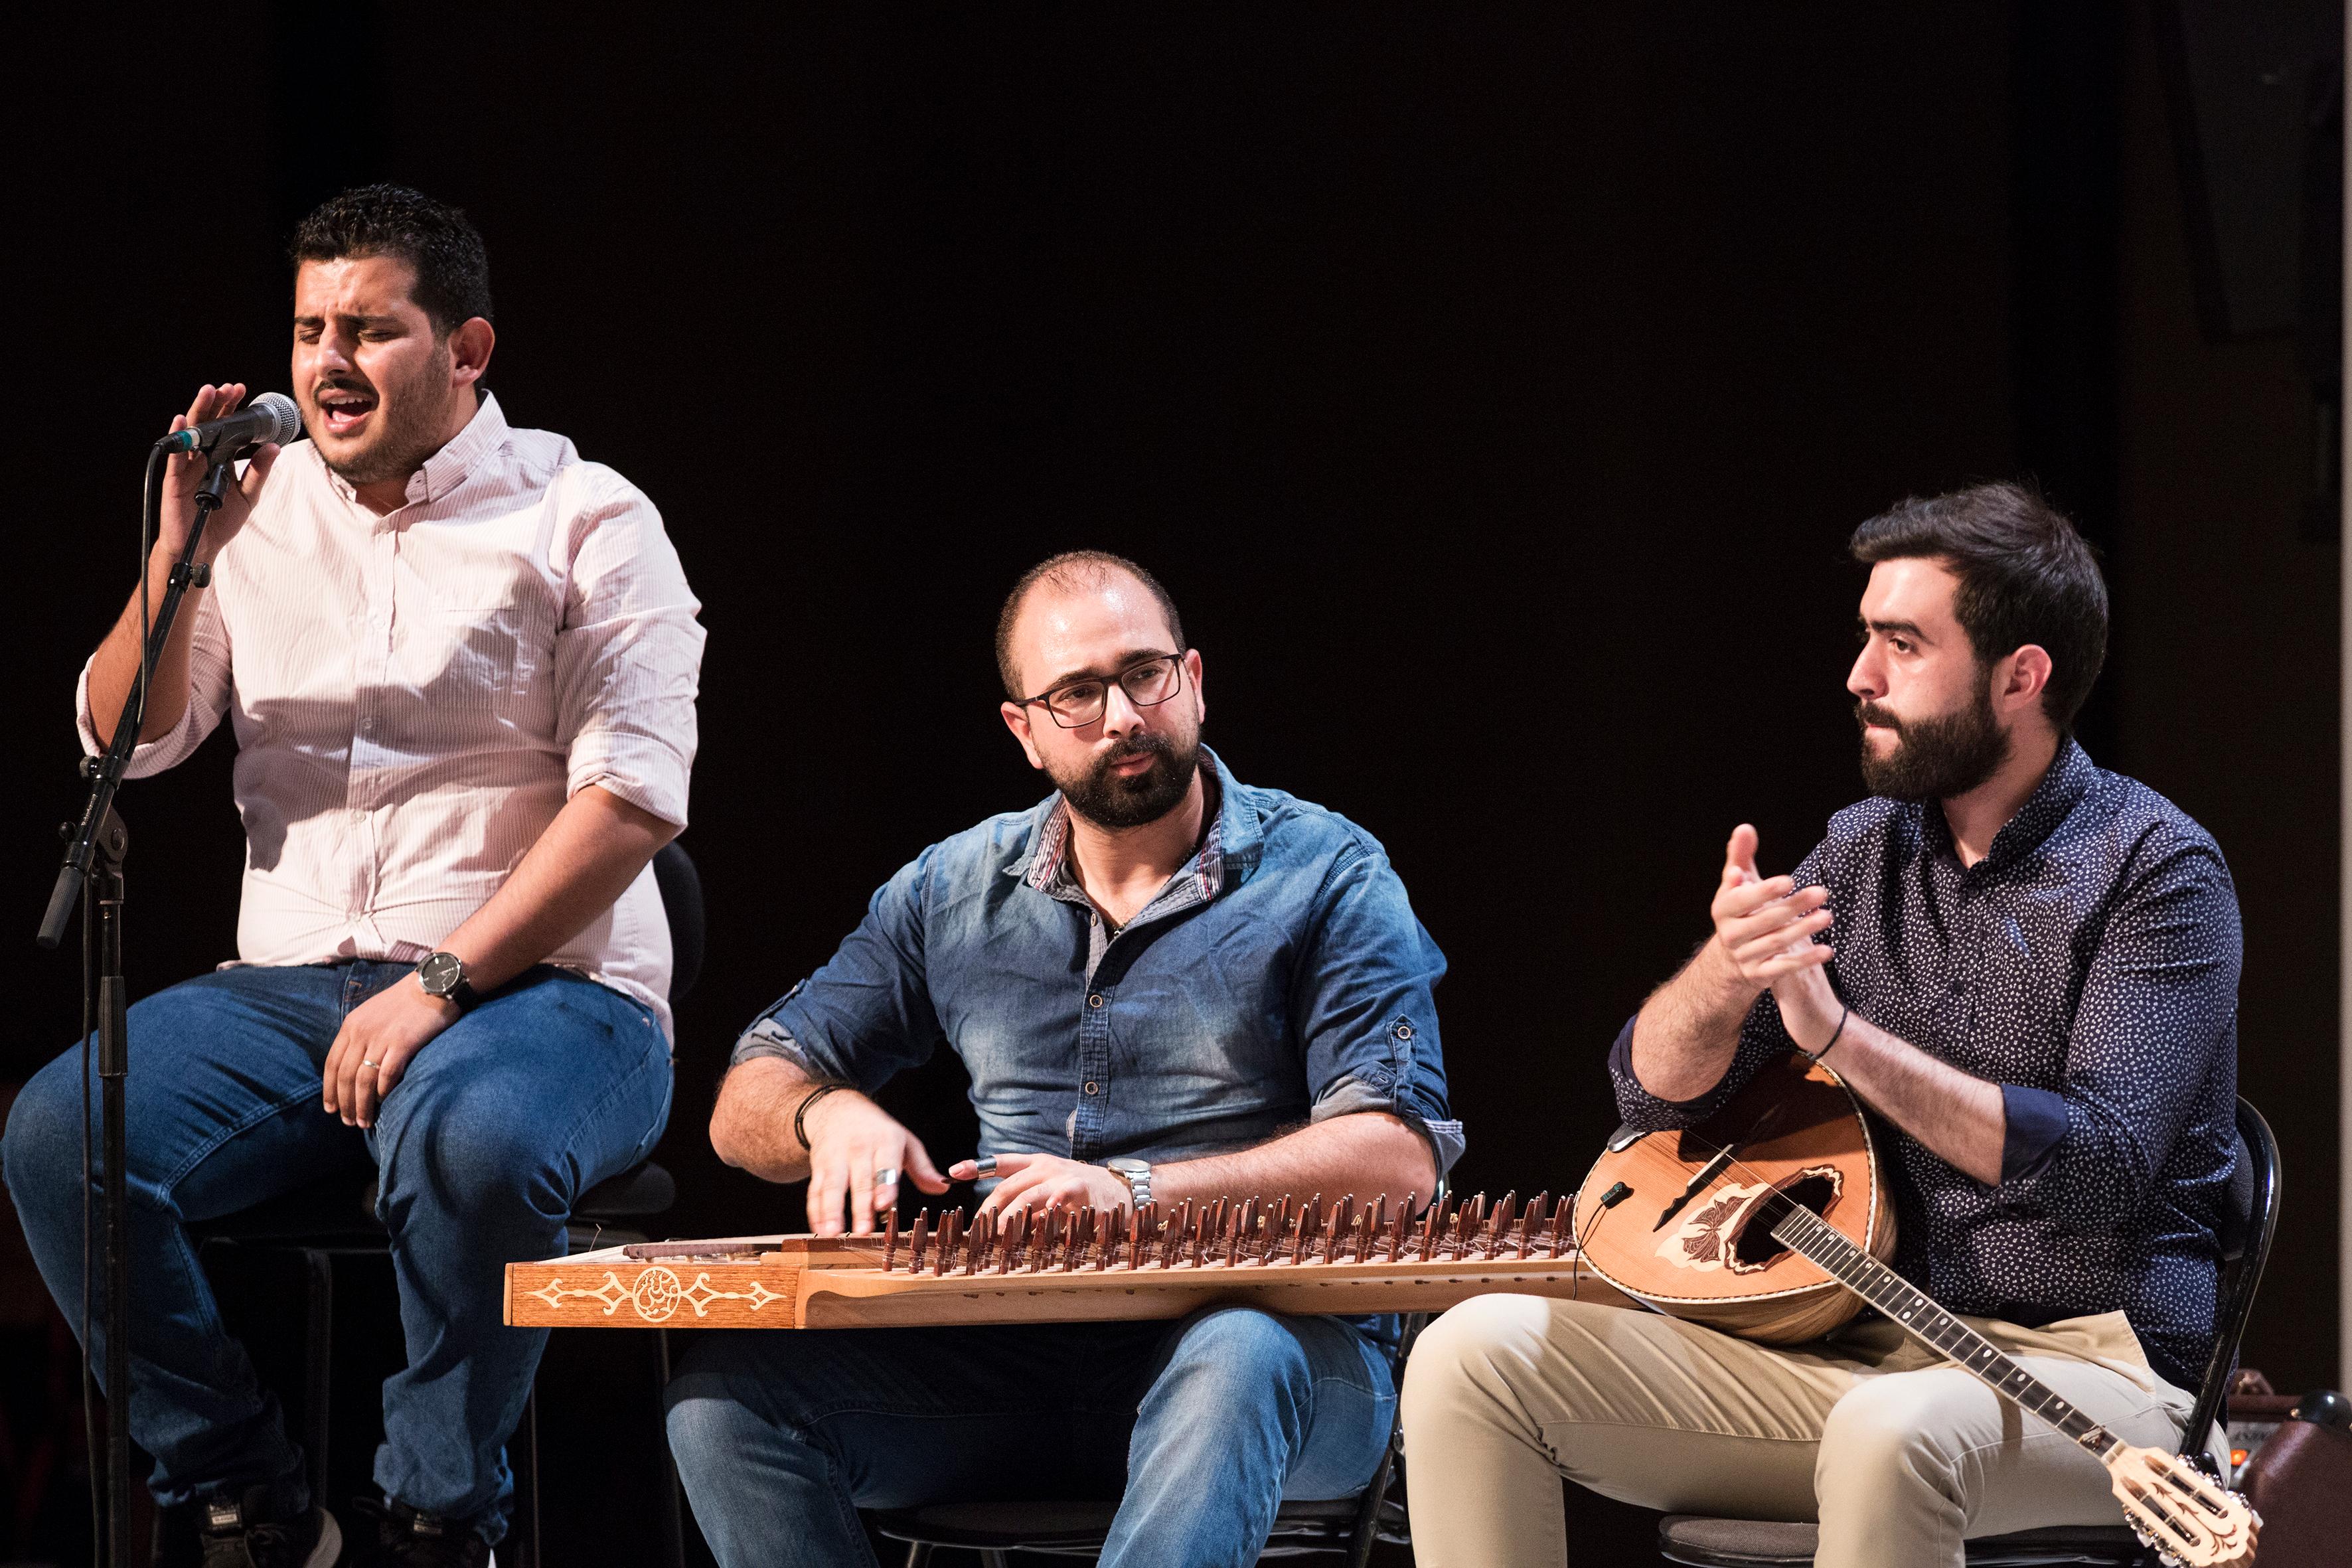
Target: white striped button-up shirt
x=415, y=695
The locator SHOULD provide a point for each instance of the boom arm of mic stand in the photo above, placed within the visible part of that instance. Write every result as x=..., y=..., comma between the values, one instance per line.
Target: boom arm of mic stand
x=105, y=773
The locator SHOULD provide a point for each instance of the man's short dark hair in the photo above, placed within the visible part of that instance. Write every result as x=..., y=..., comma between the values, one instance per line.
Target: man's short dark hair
x=1072, y=569
x=2026, y=576
x=453, y=270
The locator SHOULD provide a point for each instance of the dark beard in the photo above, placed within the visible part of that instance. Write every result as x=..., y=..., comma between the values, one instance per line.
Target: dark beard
x=1934, y=758
x=1110, y=802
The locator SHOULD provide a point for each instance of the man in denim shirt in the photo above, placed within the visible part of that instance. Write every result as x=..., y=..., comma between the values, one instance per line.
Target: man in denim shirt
x=1221, y=989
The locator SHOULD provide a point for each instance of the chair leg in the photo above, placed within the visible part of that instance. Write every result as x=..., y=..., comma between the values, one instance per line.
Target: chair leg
x=673, y=1514
x=919, y=1555
x=992, y=1558
x=318, y=1367
x=522, y=1451
x=1366, y=1531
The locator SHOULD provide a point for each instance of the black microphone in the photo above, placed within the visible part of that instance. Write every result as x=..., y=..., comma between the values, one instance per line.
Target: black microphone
x=270, y=417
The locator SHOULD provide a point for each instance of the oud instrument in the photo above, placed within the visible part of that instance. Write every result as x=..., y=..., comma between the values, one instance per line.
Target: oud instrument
x=1769, y=1220
x=1081, y=1266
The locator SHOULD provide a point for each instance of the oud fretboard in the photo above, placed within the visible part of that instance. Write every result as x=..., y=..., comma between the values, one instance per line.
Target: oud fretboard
x=1911, y=1309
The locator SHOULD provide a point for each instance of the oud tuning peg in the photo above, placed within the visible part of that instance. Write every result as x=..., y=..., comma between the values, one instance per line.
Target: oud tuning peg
x=914, y=1245
x=1396, y=1228
x=1557, y=1240
x=890, y=1240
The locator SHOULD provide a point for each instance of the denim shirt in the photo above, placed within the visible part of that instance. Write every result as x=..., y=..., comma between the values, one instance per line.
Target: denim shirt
x=1279, y=977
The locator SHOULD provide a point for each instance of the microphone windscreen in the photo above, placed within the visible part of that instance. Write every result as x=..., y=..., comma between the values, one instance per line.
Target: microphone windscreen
x=288, y=426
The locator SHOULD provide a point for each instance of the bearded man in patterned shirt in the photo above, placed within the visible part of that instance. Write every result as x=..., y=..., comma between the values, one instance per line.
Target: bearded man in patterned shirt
x=460, y=666
x=2027, y=969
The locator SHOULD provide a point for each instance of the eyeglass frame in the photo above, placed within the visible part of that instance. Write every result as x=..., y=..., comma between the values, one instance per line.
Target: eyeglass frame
x=1045, y=699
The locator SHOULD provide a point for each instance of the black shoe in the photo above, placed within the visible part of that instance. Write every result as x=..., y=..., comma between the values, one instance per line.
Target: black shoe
x=238, y=1532
x=407, y=1539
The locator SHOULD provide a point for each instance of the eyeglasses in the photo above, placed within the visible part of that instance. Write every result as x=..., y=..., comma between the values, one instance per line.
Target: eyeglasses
x=1079, y=703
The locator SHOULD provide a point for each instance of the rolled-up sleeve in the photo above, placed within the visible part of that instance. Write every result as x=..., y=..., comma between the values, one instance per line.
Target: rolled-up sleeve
x=2158, y=1005
x=208, y=695
x=629, y=654
x=1367, y=1005
x=867, y=1015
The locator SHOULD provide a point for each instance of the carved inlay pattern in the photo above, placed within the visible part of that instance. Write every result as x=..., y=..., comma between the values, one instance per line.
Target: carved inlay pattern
x=655, y=1294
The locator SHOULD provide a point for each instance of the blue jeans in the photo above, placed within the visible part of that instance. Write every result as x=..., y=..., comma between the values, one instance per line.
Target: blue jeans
x=1204, y=1426
x=549, y=1086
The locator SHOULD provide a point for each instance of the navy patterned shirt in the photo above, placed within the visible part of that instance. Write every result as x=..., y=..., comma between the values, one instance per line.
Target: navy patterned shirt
x=2088, y=965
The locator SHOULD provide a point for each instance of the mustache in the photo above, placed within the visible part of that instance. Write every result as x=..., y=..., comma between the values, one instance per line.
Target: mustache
x=1867, y=713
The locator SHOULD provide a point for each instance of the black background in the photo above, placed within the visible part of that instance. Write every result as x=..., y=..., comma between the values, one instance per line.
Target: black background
x=1495, y=389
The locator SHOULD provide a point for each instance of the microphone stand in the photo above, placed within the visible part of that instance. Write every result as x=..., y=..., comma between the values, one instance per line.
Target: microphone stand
x=95, y=847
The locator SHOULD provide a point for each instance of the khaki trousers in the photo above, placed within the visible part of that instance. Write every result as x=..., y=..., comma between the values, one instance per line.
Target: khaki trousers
x=1900, y=1454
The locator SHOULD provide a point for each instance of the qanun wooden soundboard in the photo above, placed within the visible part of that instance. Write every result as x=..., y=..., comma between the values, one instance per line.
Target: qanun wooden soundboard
x=1084, y=1266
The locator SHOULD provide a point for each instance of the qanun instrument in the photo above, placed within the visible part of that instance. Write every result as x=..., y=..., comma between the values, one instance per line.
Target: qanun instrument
x=1080, y=1266
x=1769, y=1220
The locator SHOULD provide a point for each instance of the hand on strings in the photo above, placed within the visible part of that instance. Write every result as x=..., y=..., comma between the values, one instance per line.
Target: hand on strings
x=857, y=1152
x=1033, y=1181
x=1764, y=925
x=373, y=1047
x=186, y=471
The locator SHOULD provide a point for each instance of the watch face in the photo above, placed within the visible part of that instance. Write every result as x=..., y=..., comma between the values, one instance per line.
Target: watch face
x=1126, y=1164
x=440, y=972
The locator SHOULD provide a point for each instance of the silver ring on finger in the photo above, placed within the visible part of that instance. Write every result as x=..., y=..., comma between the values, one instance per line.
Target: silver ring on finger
x=365, y=1063
x=888, y=1176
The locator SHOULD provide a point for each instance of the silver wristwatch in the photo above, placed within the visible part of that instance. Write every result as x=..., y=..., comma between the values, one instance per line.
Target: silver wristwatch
x=1135, y=1173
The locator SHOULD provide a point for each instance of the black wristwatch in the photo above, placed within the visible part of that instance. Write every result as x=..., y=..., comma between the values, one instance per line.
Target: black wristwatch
x=443, y=975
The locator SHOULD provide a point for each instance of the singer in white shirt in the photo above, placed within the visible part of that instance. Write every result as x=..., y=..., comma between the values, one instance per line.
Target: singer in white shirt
x=459, y=663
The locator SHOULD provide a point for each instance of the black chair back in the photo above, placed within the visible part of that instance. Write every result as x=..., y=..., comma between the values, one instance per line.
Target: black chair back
x=681, y=895
x=2249, y=1222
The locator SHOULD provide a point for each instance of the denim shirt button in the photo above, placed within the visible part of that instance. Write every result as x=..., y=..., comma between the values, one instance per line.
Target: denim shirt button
x=1094, y=1000
x=1404, y=1031
x=1093, y=1088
